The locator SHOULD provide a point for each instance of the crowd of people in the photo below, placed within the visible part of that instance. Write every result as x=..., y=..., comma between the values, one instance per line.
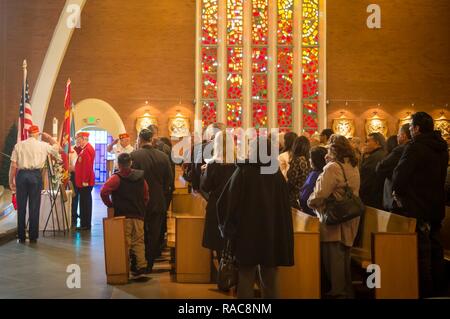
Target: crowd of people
x=251, y=211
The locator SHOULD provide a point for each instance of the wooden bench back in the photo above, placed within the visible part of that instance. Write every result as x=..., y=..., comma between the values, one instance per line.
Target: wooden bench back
x=376, y=220
x=188, y=204
x=303, y=222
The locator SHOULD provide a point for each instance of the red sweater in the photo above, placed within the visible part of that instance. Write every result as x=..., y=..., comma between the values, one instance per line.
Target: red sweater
x=113, y=184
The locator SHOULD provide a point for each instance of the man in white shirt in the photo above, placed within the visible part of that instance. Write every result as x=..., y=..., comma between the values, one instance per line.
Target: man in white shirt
x=123, y=147
x=27, y=160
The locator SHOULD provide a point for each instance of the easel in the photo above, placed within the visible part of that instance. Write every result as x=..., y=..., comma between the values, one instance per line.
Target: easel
x=53, y=192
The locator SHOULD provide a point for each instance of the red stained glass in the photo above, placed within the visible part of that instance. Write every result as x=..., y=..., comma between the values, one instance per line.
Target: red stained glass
x=259, y=86
x=285, y=60
x=310, y=60
x=285, y=21
x=209, y=113
x=260, y=30
x=259, y=114
x=284, y=87
x=209, y=86
x=310, y=86
x=209, y=22
x=234, y=114
x=310, y=120
x=259, y=60
x=234, y=60
x=209, y=60
x=234, y=86
x=284, y=114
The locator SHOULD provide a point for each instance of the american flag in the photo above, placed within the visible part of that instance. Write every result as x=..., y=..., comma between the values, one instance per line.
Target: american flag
x=25, y=115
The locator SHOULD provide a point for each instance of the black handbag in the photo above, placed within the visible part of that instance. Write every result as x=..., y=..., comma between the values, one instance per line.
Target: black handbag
x=339, y=211
x=227, y=275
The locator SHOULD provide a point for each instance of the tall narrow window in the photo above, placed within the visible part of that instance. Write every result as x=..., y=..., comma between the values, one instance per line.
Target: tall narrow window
x=281, y=42
x=310, y=65
x=234, y=61
x=285, y=62
x=209, y=25
x=260, y=36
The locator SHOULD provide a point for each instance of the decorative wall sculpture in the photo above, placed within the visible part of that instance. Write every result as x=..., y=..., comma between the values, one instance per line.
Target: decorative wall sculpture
x=344, y=126
x=443, y=124
x=376, y=124
x=405, y=120
x=144, y=121
x=179, y=126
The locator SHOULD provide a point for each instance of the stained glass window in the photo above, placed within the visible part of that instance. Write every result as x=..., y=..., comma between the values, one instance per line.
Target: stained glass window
x=209, y=61
x=209, y=113
x=234, y=62
x=234, y=114
x=268, y=74
x=310, y=64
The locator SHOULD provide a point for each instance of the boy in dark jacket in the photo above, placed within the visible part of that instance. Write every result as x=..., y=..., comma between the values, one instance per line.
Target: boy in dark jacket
x=130, y=196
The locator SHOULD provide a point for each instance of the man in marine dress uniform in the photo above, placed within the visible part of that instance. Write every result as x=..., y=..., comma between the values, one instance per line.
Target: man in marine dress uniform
x=118, y=148
x=85, y=178
x=27, y=160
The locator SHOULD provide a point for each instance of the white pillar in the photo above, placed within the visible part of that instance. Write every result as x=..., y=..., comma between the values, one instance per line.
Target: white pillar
x=48, y=74
x=222, y=61
x=272, y=66
x=247, y=112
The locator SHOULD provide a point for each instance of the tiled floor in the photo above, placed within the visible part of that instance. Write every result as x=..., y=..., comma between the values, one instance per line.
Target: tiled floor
x=39, y=271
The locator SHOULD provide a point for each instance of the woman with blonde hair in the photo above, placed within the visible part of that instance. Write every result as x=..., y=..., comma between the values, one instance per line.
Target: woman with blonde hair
x=337, y=240
x=216, y=174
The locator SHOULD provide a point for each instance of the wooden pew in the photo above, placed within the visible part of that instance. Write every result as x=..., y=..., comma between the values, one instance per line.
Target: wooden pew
x=303, y=279
x=445, y=234
x=390, y=241
x=116, y=251
x=192, y=260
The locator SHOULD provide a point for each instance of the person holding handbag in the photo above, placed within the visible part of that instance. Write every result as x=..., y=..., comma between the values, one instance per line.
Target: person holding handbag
x=340, y=174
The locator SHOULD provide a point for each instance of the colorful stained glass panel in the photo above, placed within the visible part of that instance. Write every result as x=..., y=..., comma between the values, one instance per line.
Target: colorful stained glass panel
x=209, y=60
x=310, y=9
x=260, y=30
x=310, y=34
x=259, y=60
x=234, y=86
x=209, y=86
x=234, y=114
x=284, y=87
x=234, y=60
x=234, y=22
x=285, y=60
x=259, y=115
x=310, y=60
x=209, y=21
x=285, y=21
x=310, y=119
x=209, y=113
x=310, y=85
x=284, y=114
x=259, y=86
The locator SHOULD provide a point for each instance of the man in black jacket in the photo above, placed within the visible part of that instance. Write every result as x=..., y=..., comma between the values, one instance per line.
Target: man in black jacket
x=158, y=174
x=386, y=167
x=418, y=185
x=371, y=189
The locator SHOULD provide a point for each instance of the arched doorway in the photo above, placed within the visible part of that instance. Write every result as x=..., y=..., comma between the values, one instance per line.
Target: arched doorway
x=103, y=123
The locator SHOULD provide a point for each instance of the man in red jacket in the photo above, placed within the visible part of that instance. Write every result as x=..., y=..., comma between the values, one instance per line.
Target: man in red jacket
x=85, y=178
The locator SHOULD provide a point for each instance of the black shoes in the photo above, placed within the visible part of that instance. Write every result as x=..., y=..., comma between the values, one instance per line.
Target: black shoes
x=21, y=241
x=82, y=228
x=33, y=241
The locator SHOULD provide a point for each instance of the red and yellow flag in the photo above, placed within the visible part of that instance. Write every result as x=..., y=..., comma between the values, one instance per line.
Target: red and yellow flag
x=65, y=134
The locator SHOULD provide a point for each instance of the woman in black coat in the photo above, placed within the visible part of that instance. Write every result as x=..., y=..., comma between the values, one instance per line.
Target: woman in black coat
x=215, y=176
x=255, y=214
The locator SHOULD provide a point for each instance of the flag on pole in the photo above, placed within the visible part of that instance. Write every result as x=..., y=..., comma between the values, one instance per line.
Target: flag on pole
x=72, y=127
x=25, y=114
x=66, y=132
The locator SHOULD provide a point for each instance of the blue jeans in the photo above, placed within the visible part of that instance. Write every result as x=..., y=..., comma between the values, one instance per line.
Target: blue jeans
x=29, y=187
